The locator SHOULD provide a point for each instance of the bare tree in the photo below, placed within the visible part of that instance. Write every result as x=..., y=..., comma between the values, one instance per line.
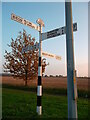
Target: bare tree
x=23, y=65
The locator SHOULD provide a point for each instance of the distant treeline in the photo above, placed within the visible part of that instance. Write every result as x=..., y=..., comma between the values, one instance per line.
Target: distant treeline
x=8, y=74
x=54, y=76
x=62, y=76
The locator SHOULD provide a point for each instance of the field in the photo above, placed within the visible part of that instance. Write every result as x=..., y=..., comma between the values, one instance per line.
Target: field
x=21, y=105
x=19, y=102
x=48, y=82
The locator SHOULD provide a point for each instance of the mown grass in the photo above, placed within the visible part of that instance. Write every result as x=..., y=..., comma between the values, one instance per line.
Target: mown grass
x=21, y=104
x=50, y=91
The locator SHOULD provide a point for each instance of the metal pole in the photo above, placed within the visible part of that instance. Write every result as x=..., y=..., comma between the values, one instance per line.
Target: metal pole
x=39, y=87
x=71, y=80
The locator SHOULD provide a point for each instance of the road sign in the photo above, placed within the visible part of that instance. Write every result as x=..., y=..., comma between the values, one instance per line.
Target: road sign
x=28, y=48
x=51, y=55
x=25, y=22
x=57, y=32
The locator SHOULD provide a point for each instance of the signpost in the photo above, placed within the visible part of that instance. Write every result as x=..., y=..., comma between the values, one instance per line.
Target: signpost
x=51, y=55
x=39, y=87
x=68, y=30
x=57, y=32
x=71, y=80
x=25, y=22
x=35, y=47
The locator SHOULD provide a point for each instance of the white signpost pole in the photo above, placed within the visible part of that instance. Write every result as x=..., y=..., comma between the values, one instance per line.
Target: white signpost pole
x=71, y=80
x=39, y=28
x=39, y=87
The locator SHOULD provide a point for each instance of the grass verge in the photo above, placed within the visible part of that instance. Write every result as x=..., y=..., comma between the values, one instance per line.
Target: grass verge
x=21, y=105
x=49, y=91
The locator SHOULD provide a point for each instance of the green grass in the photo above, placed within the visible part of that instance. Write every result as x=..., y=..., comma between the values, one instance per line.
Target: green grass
x=49, y=91
x=18, y=104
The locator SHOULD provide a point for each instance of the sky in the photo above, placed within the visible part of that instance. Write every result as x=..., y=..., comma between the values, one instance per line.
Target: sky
x=53, y=15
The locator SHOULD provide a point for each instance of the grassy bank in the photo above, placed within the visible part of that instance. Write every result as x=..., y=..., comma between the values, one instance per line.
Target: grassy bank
x=50, y=91
x=21, y=105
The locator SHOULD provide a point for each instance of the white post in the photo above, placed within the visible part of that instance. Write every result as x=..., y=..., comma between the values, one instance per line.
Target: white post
x=39, y=87
x=71, y=80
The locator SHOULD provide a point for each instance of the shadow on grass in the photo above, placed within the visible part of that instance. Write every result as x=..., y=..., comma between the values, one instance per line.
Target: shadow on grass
x=50, y=91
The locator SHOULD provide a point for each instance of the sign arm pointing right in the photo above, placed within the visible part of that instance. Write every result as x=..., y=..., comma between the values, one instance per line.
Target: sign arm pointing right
x=57, y=32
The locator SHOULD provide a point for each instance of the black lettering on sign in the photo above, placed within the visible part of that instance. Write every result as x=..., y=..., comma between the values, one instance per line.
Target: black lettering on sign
x=25, y=22
x=51, y=55
x=13, y=16
x=19, y=19
x=33, y=27
x=52, y=32
x=58, y=34
x=62, y=30
x=29, y=24
x=57, y=57
x=16, y=18
x=75, y=26
x=53, y=35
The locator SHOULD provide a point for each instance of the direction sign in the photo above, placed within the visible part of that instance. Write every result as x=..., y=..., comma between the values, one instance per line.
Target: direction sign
x=36, y=46
x=28, y=48
x=51, y=55
x=25, y=22
x=57, y=32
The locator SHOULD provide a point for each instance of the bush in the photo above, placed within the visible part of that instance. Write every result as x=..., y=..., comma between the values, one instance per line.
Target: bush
x=57, y=75
x=51, y=76
x=46, y=75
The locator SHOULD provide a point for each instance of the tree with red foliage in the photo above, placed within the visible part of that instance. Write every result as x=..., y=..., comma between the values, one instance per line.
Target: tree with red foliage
x=23, y=65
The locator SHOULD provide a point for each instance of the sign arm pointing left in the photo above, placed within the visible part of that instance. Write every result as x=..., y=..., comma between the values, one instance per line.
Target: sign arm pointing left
x=25, y=22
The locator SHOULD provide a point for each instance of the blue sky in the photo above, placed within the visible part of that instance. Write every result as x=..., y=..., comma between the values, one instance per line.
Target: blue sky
x=53, y=15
